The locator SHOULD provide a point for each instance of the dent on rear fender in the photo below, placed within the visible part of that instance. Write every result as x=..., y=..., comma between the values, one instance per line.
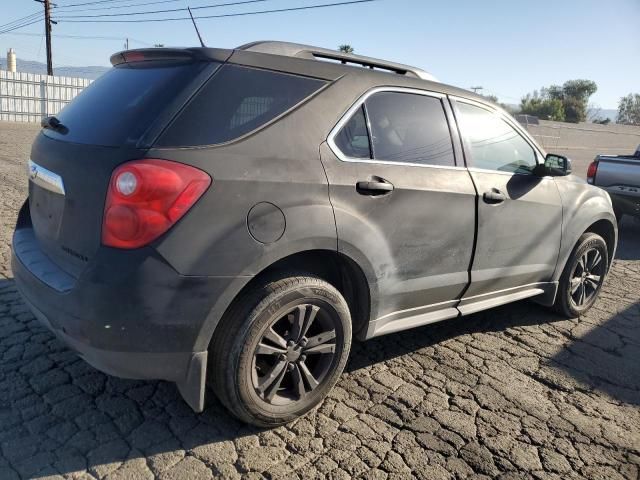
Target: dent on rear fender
x=380, y=270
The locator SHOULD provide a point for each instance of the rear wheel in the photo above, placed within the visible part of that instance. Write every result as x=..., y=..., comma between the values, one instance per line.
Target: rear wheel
x=583, y=276
x=280, y=349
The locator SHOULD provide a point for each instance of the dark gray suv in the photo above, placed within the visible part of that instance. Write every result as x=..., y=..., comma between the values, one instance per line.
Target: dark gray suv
x=236, y=217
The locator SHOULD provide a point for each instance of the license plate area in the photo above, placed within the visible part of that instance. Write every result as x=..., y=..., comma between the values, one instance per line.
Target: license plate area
x=47, y=209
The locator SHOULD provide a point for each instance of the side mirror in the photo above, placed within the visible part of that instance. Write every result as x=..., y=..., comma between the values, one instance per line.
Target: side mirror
x=557, y=165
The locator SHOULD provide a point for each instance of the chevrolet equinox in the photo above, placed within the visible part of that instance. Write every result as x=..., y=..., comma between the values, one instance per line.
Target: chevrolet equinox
x=233, y=218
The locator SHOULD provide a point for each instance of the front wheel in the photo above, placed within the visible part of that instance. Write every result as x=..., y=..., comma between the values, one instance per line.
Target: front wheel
x=280, y=349
x=583, y=276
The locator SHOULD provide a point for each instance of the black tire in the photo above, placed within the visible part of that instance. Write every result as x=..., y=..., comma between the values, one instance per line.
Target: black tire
x=250, y=382
x=583, y=276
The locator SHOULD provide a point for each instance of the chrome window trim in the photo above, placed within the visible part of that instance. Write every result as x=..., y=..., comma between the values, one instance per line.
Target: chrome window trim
x=45, y=178
x=499, y=172
x=358, y=104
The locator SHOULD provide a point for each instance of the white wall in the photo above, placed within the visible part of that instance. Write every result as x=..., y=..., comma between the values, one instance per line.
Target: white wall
x=27, y=97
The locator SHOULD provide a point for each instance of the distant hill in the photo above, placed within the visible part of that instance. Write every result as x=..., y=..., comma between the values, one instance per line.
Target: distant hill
x=31, y=66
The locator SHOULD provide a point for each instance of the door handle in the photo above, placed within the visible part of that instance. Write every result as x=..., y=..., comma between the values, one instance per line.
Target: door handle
x=374, y=187
x=493, y=196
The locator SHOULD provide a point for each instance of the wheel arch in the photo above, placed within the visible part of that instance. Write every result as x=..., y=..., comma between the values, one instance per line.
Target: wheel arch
x=338, y=269
x=607, y=231
x=604, y=225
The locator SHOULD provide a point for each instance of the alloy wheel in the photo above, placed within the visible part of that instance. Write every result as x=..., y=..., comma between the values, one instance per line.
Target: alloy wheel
x=295, y=354
x=587, y=277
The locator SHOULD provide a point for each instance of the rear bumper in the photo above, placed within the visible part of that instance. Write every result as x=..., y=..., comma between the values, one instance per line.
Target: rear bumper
x=129, y=314
x=134, y=365
x=188, y=370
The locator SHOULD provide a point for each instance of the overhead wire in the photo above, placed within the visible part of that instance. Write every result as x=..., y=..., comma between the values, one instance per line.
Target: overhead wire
x=153, y=12
x=92, y=3
x=112, y=7
x=87, y=37
x=227, y=15
x=22, y=20
x=10, y=29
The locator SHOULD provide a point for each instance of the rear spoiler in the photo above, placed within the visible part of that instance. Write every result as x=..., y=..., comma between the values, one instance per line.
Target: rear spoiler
x=170, y=55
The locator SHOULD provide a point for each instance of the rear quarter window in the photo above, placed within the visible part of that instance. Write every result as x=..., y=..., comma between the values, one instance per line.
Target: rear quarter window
x=236, y=101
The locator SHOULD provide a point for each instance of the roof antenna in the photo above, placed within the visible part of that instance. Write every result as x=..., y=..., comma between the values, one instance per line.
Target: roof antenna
x=196, y=27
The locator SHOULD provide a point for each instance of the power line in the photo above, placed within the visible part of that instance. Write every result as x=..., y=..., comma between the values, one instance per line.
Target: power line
x=279, y=10
x=116, y=6
x=20, y=26
x=93, y=3
x=84, y=37
x=33, y=16
x=161, y=11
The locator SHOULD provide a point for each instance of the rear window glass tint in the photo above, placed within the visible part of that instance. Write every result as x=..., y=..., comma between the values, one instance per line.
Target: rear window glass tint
x=409, y=128
x=353, y=138
x=118, y=107
x=236, y=101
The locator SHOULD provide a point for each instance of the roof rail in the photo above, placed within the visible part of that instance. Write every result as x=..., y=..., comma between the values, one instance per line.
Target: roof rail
x=307, y=51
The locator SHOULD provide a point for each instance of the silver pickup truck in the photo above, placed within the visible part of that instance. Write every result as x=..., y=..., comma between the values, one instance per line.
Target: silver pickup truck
x=620, y=176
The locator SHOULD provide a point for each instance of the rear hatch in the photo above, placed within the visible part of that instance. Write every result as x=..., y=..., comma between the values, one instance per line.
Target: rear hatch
x=113, y=120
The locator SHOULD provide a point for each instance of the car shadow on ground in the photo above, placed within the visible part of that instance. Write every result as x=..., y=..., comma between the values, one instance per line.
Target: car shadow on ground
x=58, y=415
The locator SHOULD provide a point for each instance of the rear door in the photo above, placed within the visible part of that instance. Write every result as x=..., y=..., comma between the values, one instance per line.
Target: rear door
x=405, y=209
x=519, y=213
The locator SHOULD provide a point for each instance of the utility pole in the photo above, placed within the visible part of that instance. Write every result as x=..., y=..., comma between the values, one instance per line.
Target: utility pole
x=47, y=30
x=475, y=89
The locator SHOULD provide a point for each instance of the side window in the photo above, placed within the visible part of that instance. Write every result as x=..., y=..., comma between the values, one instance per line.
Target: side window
x=235, y=101
x=409, y=128
x=494, y=144
x=353, y=138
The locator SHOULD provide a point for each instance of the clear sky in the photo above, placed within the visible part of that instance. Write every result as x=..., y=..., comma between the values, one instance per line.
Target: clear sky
x=510, y=47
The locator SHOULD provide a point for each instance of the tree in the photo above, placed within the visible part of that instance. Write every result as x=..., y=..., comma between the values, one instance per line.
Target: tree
x=346, y=48
x=580, y=90
x=576, y=98
x=561, y=103
x=543, y=106
x=575, y=110
x=629, y=110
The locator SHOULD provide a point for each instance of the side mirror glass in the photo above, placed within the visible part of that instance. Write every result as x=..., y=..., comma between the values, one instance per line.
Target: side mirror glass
x=557, y=165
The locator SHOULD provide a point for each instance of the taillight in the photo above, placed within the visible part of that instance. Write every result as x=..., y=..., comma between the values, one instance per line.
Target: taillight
x=146, y=198
x=591, y=171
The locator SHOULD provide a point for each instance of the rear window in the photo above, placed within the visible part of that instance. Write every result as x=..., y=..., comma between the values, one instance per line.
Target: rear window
x=121, y=105
x=236, y=101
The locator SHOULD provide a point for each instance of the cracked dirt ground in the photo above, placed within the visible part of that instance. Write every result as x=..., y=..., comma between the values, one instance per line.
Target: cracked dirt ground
x=515, y=392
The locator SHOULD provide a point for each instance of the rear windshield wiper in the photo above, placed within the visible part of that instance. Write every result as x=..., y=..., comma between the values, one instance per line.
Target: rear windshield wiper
x=54, y=124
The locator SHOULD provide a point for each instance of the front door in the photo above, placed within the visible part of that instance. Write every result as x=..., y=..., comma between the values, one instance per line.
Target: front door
x=519, y=212
x=404, y=209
